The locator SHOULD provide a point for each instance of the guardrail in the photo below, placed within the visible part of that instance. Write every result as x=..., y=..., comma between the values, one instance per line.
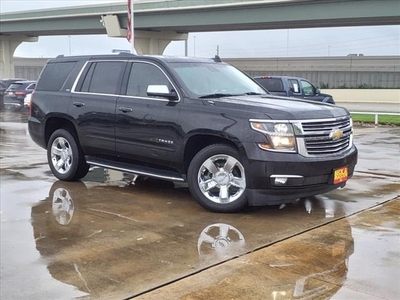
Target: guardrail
x=374, y=113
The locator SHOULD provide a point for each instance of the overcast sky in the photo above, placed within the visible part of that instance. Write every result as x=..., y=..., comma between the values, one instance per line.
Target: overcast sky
x=373, y=40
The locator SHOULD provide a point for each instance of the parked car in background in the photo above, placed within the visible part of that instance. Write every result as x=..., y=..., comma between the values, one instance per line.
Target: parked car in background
x=4, y=84
x=295, y=87
x=27, y=100
x=15, y=94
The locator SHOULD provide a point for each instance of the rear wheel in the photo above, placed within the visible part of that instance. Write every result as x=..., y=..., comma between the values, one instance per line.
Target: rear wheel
x=65, y=157
x=217, y=179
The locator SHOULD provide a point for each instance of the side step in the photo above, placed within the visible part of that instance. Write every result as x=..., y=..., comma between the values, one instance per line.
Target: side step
x=135, y=169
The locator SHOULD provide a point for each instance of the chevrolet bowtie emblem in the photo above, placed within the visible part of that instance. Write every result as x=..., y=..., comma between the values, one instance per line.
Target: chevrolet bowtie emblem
x=336, y=134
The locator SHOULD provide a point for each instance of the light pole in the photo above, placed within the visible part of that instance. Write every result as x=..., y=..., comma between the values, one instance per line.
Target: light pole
x=69, y=44
x=194, y=46
x=287, y=43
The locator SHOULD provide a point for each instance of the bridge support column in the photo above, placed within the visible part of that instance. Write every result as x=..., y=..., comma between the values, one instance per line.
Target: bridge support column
x=8, y=45
x=149, y=42
x=146, y=42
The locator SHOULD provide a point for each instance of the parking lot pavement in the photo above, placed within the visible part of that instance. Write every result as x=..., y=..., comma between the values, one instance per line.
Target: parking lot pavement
x=107, y=238
x=351, y=258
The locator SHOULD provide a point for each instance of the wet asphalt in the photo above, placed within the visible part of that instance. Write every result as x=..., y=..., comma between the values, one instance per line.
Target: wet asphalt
x=107, y=237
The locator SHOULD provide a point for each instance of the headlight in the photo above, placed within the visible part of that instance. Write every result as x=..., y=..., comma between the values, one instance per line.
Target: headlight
x=279, y=135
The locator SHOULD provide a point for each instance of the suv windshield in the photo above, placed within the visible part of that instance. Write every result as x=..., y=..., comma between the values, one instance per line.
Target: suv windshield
x=211, y=80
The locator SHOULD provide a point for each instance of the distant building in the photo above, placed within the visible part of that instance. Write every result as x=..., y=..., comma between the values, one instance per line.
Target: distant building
x=28, y=68
x=326, y=72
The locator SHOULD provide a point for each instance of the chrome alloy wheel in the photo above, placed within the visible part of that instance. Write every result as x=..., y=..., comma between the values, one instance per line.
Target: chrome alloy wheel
x=222, y=179
x=61, y=155
x=62, y=206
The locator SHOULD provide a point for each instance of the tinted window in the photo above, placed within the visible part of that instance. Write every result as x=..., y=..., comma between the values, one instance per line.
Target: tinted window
x=16, y=87
x=105, y=77
x=31, y=87
x=141, y=76
x=271, y=84
x=54, y=75
x=88, y=78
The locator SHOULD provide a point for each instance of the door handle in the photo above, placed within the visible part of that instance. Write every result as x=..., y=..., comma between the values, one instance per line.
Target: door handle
x=78, y=104
x=125, y=109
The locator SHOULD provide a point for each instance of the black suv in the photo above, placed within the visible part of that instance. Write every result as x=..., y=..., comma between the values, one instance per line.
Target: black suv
x=15, y=94
x=4, y=84
x=187, y=119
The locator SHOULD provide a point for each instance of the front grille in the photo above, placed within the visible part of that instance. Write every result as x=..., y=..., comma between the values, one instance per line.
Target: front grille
x=324, y=137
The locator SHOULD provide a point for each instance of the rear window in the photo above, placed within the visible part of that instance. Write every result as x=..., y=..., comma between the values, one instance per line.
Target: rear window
x=271, y=84
x=54, y=75
x=16, y=87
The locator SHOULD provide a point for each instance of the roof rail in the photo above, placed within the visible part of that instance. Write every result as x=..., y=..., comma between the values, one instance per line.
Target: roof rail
x=125, y=53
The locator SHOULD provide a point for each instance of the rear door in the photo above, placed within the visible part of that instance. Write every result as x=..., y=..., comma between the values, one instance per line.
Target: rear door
x=93, y=103
x=146, y=126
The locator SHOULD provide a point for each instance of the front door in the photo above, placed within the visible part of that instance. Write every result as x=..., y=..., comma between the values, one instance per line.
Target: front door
x=310, y=92
x=146, y=126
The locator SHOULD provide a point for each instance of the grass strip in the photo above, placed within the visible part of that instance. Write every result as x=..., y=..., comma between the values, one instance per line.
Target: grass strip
x=382, y=119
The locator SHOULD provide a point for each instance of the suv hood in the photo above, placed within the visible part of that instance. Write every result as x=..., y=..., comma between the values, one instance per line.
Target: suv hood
x=281, y=108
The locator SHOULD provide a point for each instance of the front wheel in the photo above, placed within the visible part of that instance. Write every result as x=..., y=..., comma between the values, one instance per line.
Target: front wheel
x=65, y=157
x=217, y=179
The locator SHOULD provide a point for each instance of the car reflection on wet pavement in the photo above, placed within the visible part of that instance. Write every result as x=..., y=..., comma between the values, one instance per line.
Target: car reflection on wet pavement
x=109, y=237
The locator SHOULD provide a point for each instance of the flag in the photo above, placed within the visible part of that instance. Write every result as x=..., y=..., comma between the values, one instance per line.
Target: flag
x=129, y=21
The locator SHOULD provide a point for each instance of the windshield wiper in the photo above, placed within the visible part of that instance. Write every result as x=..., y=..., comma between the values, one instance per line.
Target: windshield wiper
x=216, y=95
x=220, y=95
x=252, y=93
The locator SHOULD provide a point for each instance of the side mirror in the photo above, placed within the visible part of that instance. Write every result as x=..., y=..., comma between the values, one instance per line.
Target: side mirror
x=162, y=91
x=317, y=91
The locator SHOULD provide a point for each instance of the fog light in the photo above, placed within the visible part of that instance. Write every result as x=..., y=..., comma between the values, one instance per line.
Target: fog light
x=280, y=180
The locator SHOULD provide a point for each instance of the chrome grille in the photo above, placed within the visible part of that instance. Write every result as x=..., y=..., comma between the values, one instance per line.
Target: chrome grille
x=319, y=136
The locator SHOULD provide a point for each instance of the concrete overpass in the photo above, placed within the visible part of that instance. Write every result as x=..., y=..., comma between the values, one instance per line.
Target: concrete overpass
x=157, y=23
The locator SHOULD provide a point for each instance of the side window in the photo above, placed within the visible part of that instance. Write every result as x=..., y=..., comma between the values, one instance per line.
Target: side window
x=54, y=75
x=308, y=88
x=103, y=77
x=141, y=76
x=294, y=85
x=88, y=78
x=31, y=87
x=272, y=84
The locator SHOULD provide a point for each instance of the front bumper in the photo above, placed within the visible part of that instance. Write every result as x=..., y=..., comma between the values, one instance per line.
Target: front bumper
x=306, y=176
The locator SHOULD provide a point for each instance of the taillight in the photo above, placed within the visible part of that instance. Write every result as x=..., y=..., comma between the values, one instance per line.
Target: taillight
x=20, y=93
x=30, y=104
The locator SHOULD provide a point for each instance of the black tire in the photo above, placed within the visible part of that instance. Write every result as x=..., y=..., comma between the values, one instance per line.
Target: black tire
x=226, y=192
x=65, y=156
